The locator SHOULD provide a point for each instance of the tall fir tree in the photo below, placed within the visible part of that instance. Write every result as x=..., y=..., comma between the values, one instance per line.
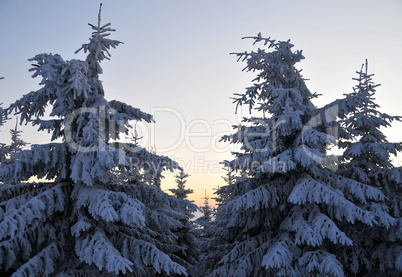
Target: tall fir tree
x=207, y=210
x=3, y=154
x=207, y=214
x=205, y=231
x=181, y=192
x=230, y=178
x=367, y=158
x=186, y=234
x=288, y=214
x=3, y=115
x=3, y=146
x=7, y=152
x=87, y=221
x=17, y=144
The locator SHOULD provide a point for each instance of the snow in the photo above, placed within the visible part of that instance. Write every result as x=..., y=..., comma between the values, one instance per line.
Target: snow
x=287, y=208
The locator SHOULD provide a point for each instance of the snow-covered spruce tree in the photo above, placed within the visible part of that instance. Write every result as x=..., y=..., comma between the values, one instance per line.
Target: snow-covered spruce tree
x=86, y=221
x=288, y=214
x=367, y=158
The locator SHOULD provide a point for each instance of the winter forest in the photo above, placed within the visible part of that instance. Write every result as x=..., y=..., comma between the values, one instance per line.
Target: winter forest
x=312, y=191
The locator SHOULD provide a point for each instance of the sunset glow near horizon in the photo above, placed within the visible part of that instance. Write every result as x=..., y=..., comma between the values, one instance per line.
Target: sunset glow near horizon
x=175, y=63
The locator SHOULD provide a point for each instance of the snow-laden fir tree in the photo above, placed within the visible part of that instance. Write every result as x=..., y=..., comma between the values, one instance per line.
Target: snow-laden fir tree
x=288, y=214
x=367, y=158
x=87, y=221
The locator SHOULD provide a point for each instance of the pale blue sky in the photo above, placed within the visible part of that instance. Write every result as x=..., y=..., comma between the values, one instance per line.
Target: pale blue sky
x=176, y=55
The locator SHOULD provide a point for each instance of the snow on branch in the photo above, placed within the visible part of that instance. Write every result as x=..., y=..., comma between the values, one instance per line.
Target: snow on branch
x=323, y=262
x=360, y=191
x=97, y=249
x=260, y=198
x=131, y=112
x=41, y=161
x=313, y=230
x=109, y=206
x=308, y=190
x=25, y=190
x=241, y=259
x=83, y=224
x=38, y=208
x=146, y=254
x=42, y=264
x=279, y=255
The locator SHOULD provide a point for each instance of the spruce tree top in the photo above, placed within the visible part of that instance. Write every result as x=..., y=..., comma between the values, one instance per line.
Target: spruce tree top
x=181, y=191
x=81, y=117
x=278, y=84
x=280, y=93
x=368, y=152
